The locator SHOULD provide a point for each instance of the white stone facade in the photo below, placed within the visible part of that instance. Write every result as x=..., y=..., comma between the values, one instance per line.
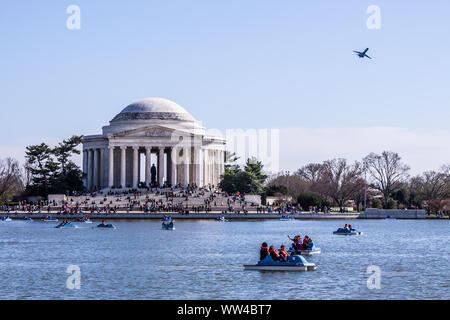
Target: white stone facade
x=184, y=153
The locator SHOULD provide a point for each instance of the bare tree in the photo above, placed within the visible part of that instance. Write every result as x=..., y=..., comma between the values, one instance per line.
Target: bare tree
x=387, y=172
x=432, y=188
x=340, y=181
x=294, y=184
x=310, y=172
x=10, y=178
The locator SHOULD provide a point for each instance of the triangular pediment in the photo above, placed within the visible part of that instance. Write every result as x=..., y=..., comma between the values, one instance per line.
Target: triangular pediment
x=150, y=131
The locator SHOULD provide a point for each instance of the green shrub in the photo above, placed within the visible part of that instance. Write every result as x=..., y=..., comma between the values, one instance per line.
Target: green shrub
x=391, y=204
x=376, y=203
x=308, y=199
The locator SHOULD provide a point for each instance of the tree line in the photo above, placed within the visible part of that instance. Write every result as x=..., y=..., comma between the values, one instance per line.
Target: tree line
x=46, y=170
x=51, y=170
x=378, y=180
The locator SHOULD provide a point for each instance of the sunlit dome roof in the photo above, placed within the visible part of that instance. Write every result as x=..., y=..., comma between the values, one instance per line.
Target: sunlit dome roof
x=154, y=108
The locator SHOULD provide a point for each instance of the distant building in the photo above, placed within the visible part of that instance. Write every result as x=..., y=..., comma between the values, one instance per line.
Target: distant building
x=185, y=154
x=272, y=200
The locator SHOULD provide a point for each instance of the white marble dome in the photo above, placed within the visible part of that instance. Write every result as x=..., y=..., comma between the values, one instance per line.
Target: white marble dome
x=154, y=108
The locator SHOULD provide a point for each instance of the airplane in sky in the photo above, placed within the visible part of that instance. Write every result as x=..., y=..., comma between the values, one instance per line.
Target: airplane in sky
x=362, y=54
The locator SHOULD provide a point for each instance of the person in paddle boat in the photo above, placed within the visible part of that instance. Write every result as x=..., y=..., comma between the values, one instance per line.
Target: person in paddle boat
x=274, y=254
x=296, y=245
x=264, y=251
x=283, y=253
x=347, y=228
x=307, y=243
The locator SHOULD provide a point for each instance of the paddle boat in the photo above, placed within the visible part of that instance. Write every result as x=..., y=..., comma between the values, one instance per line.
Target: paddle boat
x=286, y=218
x=66, y=225
x=166, y=219
x=311, y=250
x=106, y=226
x=347, y=232
x=49, y=219
x=6, y=219
x=168, y=226
x=83, y=220
x=26, y=219
x=294, y=263
x=221, y=219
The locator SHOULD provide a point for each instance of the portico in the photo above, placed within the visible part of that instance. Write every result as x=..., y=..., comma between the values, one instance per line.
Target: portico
x=152, y=128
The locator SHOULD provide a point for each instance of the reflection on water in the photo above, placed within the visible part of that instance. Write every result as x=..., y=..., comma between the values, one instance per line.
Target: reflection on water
x=203, y=260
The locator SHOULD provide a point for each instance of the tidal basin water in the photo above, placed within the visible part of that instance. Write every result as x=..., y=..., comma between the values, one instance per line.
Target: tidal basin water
x=203, y=260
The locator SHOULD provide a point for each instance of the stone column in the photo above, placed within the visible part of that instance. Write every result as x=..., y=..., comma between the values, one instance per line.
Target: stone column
x=135, y=167
x=219, y=161
x=222, y=162
x=210, y=167
x=213, y=167
x=186, y=161
x=205, y=170
x=111, y=168
x=85, y=167
x=89, y=168
x=102, y=168
x=197, y=164
x=217, y=166
x=200, y=159
x=173, y=165
x=95, y=179
x=148, y=154
x=123, y=166
x=161, y=166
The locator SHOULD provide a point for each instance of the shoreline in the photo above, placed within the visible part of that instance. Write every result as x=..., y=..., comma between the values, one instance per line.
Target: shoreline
x=199, y=216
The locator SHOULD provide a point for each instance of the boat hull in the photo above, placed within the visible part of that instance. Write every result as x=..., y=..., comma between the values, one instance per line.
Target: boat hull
x=310, y=252
x=275, y=268
x=106, y=227
x=348, y=233
x=293, y=263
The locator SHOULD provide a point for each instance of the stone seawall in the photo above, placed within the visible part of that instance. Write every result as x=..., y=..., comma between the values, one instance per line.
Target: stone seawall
x=370, y=214
x=213, y=215
x=373, y=213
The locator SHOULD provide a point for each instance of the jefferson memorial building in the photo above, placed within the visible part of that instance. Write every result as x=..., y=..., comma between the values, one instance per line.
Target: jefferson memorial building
x=152, y=129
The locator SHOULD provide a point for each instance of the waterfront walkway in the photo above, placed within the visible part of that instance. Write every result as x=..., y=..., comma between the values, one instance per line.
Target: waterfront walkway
x=210, y=215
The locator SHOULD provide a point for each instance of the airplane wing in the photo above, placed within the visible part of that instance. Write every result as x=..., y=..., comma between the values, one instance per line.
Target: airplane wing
x=357, y=52
x=367, y=56
x=367, y=49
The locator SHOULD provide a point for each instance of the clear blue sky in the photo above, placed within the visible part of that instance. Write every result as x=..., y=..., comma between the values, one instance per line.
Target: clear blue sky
x=232, y=64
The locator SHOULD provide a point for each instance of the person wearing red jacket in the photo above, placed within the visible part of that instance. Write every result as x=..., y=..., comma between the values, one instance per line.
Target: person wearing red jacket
x=283, y=253
x=297, y=246
x=274, y=254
